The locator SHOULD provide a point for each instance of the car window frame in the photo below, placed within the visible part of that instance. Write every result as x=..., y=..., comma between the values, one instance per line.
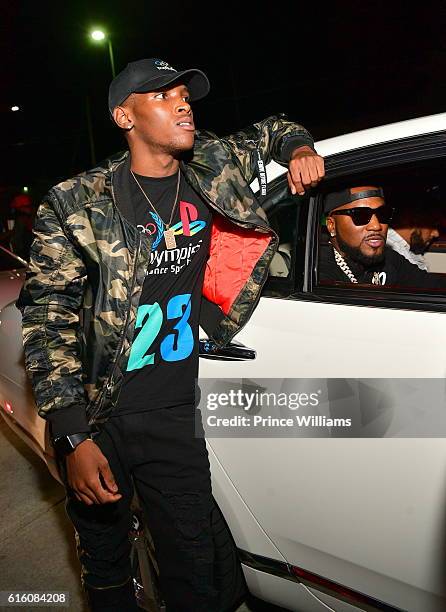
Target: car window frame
x=348, y=163
x=284, y=287
x=394, y=153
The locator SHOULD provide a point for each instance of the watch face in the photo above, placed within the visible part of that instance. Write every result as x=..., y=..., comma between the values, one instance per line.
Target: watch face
x=63, y=446
x=66, y=444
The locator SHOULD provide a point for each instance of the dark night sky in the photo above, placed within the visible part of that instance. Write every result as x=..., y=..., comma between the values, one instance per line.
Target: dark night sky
x=335, y=68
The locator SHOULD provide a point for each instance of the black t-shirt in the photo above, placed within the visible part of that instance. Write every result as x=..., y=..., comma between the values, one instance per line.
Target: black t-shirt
x=163, y=362
x=394, y=270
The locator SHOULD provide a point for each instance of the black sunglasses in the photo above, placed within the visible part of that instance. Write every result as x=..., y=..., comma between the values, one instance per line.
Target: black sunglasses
x=362, y=214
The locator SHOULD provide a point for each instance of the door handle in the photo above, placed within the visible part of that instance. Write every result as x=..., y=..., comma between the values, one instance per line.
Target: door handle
x=235, y=351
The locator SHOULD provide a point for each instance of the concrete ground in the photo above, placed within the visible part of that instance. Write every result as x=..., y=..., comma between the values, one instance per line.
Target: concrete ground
x=37, y=543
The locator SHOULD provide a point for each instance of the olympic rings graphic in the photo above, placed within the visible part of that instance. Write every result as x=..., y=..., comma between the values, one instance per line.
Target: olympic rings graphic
x=148, y=228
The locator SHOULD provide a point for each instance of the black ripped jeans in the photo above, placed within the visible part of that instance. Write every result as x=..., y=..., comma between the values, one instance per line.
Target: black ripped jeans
x=158, y=453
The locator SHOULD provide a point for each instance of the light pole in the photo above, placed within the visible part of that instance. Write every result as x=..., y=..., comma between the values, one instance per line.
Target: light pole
x=98, y=36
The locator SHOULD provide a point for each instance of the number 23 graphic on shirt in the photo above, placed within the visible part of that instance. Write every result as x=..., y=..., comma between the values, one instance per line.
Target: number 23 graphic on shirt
x=174, y=346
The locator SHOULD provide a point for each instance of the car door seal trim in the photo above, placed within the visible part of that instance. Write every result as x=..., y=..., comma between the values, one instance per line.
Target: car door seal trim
x=316, y=582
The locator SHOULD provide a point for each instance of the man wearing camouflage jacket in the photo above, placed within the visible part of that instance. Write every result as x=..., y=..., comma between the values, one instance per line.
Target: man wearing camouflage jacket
x=99, y=294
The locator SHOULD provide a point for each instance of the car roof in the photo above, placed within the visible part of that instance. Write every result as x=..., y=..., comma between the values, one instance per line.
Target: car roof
x=364, y=138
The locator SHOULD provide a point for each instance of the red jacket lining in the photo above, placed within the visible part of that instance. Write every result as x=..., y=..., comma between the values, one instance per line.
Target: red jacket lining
x=233, y=253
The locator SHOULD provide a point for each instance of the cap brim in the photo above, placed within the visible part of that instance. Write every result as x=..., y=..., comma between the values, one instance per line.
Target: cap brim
x=195, y=80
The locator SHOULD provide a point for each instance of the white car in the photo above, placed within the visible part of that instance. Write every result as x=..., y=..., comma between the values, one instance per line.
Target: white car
x=351, y=523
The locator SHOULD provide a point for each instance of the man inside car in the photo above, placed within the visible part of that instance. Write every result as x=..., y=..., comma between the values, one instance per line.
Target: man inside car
x=415, y=226
x=357, y=221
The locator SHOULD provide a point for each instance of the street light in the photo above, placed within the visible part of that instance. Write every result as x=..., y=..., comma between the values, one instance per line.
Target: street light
x=98, y=36
x=15, y=108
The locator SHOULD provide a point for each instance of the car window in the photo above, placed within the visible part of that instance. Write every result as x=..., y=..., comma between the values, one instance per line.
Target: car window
x=301, y=226
x=436, y=255
x=284, y=224
x=286, y=214
x=406, y=253
x=8, y=261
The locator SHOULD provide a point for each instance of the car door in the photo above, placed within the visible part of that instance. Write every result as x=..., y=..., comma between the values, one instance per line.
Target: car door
x=365, y=513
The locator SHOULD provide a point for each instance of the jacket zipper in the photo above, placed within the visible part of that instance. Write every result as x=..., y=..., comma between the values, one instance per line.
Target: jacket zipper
x=109, y=384
x=127, y=320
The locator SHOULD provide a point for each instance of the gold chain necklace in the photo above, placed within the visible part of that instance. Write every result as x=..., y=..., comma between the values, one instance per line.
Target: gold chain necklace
x=169, y=236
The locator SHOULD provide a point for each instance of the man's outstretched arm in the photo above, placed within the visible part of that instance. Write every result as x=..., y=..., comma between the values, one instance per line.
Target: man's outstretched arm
x=283, y=141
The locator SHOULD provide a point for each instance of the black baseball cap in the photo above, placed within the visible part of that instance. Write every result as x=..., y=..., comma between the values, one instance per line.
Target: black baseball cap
x=152, y=74
x=339, y=198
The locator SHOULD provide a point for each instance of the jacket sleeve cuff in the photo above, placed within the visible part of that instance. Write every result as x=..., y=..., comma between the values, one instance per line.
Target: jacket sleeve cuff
x=68, y=421
x=293, y=142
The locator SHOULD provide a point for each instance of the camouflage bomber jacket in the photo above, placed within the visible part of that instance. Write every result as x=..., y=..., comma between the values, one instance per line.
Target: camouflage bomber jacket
x=88, y=262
